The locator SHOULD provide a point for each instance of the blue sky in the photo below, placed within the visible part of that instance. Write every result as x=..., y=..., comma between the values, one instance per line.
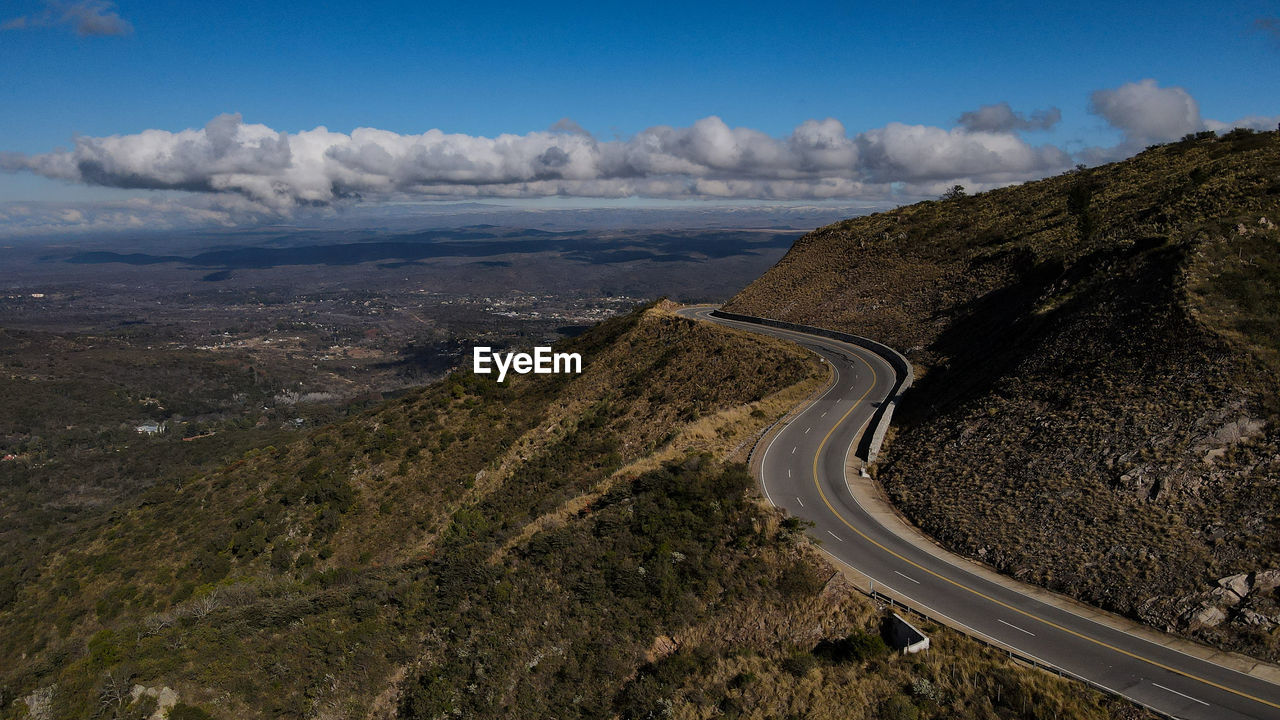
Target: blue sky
x=486, y=69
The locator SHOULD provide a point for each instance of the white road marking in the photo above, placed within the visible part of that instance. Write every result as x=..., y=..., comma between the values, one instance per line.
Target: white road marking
x=908, y=577
x=832, y=534
x=1175, y=692
x=824, y=414
x=806, y=430
x=793, y=450
x=967, y=629
x=799, y=501
x=788, y=472
x=1015, y=627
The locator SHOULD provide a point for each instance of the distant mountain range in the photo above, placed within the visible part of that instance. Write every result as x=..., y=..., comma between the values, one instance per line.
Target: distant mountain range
x=479, y=242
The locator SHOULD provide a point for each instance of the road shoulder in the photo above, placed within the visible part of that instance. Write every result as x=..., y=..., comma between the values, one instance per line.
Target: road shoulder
x=872, y=497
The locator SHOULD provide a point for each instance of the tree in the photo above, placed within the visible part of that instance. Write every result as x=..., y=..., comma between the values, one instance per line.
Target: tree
x=114, y=693
x=954, y=192
x=1079, y=206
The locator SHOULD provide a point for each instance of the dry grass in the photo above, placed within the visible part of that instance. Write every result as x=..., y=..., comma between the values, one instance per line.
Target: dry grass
x=727, y=435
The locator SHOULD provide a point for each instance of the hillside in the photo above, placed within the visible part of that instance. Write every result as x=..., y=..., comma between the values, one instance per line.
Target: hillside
x=584, y=546
x=1098, y=356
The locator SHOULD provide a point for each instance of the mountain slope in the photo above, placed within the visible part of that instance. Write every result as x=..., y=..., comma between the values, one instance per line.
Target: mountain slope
x=582, y=546
x=1097, y=361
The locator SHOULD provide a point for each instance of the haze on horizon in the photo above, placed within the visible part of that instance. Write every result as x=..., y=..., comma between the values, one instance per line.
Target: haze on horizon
x=142, y=115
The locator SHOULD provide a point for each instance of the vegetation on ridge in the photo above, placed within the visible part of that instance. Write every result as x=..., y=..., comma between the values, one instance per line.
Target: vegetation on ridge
x=492, y=550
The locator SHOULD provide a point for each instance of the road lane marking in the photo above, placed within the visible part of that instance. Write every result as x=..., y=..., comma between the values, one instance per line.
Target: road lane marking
x=806, y=430
x=793, y=450
x=907, y=577
x=799, y=501
x=831, y=387
x=1101, y=643
x=1175, y=692
x=832, y=534
x=1015, y=627
x=824, y=414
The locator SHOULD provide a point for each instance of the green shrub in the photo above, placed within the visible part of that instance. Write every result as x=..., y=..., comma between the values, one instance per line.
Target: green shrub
x=898, y=707
x=857, y=647
x=183, y=711
x=799, y=663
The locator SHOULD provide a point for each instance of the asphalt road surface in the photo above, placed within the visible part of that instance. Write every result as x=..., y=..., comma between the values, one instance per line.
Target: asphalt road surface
x=803, y=471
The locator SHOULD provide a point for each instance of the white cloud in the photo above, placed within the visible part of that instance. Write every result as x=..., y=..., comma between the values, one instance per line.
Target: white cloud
x=1251, y=122
x=231, y=172
x=84, y=17
x=707, y=159
x=1146, y=112
x=922, y=153
x=1000, y=117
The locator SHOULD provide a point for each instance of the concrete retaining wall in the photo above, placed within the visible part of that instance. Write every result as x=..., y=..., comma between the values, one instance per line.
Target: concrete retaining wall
x=905, y=637
x=869, y=446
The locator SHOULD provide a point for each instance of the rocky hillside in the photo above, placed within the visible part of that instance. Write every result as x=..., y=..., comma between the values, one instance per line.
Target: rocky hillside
x=1099, y=355
x=584, y=546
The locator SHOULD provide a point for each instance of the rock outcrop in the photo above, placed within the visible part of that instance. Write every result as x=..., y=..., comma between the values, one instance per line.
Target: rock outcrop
x=164, y=696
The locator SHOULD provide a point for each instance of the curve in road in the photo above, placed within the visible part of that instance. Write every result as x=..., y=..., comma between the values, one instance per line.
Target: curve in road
x=803, y=472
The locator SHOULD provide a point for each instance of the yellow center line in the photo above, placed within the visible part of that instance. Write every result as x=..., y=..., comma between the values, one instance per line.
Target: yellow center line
x=1049, y=623
x=980, y=594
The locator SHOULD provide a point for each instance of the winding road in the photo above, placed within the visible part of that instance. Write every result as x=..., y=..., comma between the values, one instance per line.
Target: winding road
x=804, y=472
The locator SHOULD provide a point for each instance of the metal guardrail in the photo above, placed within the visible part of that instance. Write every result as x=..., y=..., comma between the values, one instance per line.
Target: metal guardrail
x=904, y=374
x=1010, y=652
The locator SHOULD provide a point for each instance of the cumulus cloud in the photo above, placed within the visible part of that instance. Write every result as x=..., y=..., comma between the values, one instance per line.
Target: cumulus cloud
x=233, y=171
x=923, y=153
x=819, y=159
x=1002, y=118
x=1250, y=122
x=1146, y=112
x=83, y=17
